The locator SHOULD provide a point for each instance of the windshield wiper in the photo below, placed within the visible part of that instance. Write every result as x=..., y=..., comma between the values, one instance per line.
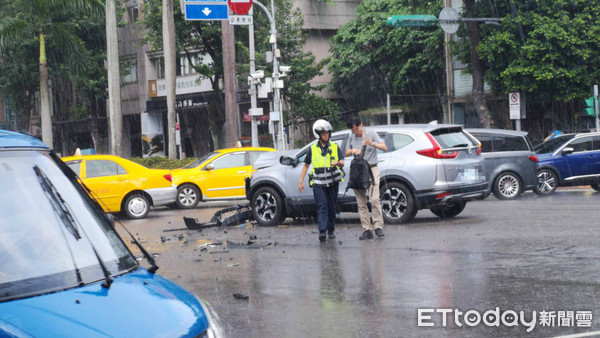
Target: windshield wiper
x=58, y=203
x=95, y=202
x=60, y=206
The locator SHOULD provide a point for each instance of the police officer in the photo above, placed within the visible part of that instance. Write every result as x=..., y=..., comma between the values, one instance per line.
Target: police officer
x=327, y=160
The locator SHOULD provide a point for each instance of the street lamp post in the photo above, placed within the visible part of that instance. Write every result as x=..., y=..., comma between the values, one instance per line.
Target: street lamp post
x=277, y=113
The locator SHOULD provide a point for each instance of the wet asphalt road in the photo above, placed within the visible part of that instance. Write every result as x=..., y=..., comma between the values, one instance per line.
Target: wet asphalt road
x=532, y=254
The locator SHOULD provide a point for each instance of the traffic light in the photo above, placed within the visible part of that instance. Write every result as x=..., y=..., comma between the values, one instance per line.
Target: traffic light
x=589, y=107
x=412, y=20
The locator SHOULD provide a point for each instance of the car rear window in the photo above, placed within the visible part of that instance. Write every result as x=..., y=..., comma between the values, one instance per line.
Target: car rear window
x=509, y=143
x=452, y=138
x=100, y=168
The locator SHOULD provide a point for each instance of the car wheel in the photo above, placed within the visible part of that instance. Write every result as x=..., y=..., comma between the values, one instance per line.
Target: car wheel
x=449, y=210
x=136, y=206
x=188, y=196
x=547, y=182
x=595, y=187
x=397, y=203
x=267, y=206
x=507, y=186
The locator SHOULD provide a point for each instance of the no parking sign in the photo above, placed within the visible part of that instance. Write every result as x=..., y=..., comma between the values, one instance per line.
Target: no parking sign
x=514, y=103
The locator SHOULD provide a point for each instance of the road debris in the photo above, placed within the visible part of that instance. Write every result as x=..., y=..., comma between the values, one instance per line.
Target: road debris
x=235, y=215
x=240, y=296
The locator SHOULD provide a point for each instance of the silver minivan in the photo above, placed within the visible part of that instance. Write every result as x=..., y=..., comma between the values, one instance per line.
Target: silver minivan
x=427, y=166
x=510, y=161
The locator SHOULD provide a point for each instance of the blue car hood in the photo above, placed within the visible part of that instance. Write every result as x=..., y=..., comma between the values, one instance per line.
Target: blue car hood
x=136, y=304
x=545, y=157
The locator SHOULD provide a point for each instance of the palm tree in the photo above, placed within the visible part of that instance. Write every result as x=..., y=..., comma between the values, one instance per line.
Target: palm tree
x=46, y=20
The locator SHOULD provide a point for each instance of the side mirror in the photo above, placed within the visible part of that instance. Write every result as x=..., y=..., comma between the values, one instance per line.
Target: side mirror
x=567, y=150
x=210, y=166
x=285, y=160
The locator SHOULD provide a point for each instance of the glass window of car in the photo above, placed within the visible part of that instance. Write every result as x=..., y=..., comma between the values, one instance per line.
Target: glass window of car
x=253, y=156
x=596, y=142
x=201, y=160
x=75, y=166
x=509, y=143
x=39, y=251
x=339, y=140
x=452, y=138
x=100, y=168
x=582, y=144
x=552, y=145
x=229, y=161
x=398, y=141
x=487, y=145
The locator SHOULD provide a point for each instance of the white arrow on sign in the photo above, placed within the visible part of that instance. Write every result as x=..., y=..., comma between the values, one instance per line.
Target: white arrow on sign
x=206, y=11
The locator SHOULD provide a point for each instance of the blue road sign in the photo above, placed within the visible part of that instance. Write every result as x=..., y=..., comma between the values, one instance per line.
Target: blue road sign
x=206, y=11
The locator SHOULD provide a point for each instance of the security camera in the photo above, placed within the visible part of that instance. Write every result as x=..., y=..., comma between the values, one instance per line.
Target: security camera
x=259, y=74
x=285, y=69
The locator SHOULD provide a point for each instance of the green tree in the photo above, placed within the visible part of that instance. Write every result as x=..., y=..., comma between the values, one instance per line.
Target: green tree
x=546, y=49
x=45, y=20
x=371, y=59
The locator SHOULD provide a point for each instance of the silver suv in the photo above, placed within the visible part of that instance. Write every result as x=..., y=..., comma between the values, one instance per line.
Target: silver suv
x=432, y=166
x=510, y=161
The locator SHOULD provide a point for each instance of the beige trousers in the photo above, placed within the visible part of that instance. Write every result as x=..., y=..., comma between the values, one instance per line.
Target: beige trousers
x=361, y=200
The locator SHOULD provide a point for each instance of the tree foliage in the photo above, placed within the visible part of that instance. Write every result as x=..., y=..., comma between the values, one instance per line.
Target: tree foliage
x=371, y=59
x=557, y=55
x=75, y=44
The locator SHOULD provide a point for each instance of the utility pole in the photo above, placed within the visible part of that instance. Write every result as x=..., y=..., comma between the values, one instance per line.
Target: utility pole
x=254, y=127
x=232, y=117
x=114, y=80
x=596, y=106
x=276, y=87
x=168, y=33
x=276, y=115
x=449, y=73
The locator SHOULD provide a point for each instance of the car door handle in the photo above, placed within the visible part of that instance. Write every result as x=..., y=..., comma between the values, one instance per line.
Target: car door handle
x=242, y=172
x=121, y=179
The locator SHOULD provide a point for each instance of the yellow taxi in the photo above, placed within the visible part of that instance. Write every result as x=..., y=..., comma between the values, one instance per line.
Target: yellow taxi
x=120, y=185
x=217, y=175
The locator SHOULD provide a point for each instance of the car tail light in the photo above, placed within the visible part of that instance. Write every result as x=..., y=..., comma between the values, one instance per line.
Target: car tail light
x=534, y=158
x=168, y=177
x=442, y=195
x=436, y=151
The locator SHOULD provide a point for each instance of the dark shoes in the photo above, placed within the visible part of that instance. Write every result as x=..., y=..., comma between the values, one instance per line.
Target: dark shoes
x=322, y=236
x=367, y=234
x=379, y=233
x=331, y=234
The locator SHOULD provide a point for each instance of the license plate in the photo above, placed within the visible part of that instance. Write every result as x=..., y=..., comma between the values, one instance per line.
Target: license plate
x=469, y=175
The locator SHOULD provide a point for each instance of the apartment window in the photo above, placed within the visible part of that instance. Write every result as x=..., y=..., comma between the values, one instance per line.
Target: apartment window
x=129, y=74
x=159, y=64
x=186, y=65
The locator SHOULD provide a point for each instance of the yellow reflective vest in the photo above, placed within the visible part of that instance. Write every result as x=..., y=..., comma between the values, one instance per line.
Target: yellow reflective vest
x=322, y=173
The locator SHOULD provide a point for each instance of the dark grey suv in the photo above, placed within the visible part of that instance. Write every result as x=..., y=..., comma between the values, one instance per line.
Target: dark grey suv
x=510, y=161
x=427, y=166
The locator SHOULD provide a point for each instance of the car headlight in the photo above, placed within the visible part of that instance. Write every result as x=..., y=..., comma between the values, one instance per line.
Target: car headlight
x=214, y=324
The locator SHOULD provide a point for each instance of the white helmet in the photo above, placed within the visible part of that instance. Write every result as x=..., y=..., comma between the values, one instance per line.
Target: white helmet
x=321, y=126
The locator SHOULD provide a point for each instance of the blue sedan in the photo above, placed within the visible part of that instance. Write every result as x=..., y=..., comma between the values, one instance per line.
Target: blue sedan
x=568, y=160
